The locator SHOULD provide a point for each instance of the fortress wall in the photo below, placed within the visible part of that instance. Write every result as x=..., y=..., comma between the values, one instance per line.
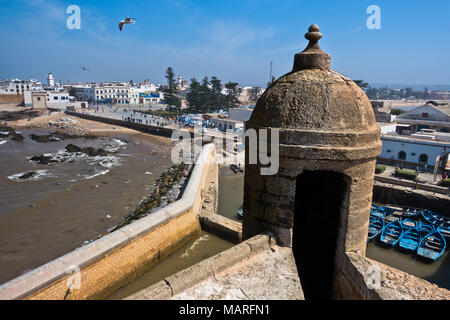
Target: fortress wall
x=160, y=131
x=409, y=197
x=361, y=278
x=110, y=262
x=414, y=185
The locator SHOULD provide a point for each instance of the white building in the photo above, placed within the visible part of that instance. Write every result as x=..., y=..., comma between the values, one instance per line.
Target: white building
x=58, y=99
x=83, y=92
x=113, y=93
x=18, y=87
x=413, y=151
x=50, y=80
x=431, y=115
x=182, y=84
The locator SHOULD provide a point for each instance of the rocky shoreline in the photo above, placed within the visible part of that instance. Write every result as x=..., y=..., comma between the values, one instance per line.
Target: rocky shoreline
x=167, y=190
x=6, y=131
x=58, y=136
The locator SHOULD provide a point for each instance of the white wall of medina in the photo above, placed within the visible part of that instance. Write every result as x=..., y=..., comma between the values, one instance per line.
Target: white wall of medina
x=413, y=150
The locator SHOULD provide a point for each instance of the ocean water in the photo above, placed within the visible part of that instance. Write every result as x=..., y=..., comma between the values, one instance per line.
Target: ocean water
x=70, y=202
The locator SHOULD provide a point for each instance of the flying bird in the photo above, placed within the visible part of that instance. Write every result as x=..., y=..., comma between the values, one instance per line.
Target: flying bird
x=126, y=21
x=84, y=68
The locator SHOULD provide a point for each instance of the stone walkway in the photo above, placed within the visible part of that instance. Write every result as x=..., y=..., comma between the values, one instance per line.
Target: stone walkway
x=271, y=275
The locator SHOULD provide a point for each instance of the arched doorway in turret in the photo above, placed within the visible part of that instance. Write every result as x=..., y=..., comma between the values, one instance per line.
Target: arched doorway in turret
x=321, y=197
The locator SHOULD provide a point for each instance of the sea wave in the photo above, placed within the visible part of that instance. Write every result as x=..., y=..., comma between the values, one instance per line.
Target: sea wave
x=39, y=174
x=115, y=145
x=101, y=173
x=195, y=244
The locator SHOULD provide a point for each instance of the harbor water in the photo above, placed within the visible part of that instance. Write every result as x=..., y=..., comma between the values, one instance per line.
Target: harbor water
x=231, y=193
x=198, y=249
x=437, y=272
x=231, y=189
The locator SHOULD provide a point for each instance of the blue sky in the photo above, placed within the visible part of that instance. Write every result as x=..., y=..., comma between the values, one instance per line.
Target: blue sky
x=233, y=40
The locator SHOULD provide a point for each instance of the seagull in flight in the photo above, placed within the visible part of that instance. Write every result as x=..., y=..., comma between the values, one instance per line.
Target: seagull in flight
x=126, y=21
x=84, y=68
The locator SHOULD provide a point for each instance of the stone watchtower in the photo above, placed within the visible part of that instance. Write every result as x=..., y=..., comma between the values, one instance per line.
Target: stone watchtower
x=319, y=201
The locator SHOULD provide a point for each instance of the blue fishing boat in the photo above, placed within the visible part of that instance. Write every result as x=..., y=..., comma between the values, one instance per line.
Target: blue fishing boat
x=445, y=231
x=409, y=224
x=426, y=228
x=375, y=227
x=444, y=221
x=410, y=239
x=393, y=209
x=411, y=213
x=392, y=217
x=432, y=246
x=391, y=233
x=377, y=213
x=435, y=219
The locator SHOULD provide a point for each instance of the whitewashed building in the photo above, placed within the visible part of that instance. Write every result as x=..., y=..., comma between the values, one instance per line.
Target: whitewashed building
x=18, y=87
x=114, y=93
x=413, y=150
x=83, y=92
x=432, y=115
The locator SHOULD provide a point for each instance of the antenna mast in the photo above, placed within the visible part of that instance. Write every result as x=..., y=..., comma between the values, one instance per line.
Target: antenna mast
x=270, y=79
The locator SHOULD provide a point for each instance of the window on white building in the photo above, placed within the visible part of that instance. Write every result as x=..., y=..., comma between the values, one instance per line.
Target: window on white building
x=402, y=155
x=423, y=158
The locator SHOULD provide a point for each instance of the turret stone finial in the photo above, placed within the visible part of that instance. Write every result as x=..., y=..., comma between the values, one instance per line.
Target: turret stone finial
x=313, y=56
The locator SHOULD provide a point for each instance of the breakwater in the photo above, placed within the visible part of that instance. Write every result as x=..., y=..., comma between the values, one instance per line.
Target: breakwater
x=155, y=130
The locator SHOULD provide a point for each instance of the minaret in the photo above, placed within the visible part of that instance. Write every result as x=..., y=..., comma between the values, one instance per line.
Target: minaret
x=50, y=80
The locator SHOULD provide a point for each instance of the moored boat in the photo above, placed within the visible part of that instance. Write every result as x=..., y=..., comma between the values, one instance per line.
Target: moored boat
x=377, y=214
x=392, y=217
x=426, y=228
x=391, y=233
x=409, y=224
x=435, y=219
x=445, y=231
x=411, y=213
x=389, y=209
x=375, y=227
x=410, y=239
x=432, y=246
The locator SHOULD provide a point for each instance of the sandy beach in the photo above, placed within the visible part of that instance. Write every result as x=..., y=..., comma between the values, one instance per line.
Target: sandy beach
x=61, y=121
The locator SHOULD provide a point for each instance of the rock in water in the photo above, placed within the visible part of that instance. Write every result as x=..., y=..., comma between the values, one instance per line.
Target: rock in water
x=72, y=148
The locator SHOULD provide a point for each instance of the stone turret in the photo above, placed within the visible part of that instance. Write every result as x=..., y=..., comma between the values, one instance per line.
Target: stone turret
x=319, y=201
